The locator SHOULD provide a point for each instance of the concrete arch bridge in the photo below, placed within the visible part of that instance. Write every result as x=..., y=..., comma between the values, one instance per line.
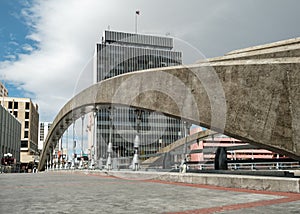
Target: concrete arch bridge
x=251, y=94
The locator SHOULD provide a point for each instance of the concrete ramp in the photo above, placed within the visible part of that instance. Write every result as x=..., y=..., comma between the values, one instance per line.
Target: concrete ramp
x=281, y=49
x=188, y=140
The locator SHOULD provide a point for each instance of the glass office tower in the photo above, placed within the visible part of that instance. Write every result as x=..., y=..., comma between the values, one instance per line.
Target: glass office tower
x=120, y=53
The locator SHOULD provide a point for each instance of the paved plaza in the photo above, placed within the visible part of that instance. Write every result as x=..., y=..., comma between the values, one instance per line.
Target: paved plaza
x=80, y=192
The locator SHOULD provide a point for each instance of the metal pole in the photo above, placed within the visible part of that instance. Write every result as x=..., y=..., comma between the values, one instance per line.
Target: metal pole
x=50, y=159
x=93, y=149
x=61, y=153
x=51, y=162
x=56, y=165
x=81, y=152
x=136, y=22
x=74, y=146
x=82, y=126
x=136, y=143
x=96, y=137
x=185, y=135
x=109, y=149
x=67, y=148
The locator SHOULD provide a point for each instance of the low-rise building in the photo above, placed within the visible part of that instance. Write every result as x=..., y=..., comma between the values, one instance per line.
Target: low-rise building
x=3, y=91
x=209, y=145
x=10, y=134
x=27, y=113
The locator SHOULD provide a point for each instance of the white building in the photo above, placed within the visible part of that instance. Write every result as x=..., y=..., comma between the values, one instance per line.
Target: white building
x=44, y=128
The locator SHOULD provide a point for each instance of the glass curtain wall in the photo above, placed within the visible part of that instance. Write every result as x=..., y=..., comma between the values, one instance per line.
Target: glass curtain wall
x=121, y=53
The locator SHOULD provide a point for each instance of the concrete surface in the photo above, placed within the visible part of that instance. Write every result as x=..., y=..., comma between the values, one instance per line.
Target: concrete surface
x=256, y=100
x=280, y=49
x=278, y=184
x=82, y=192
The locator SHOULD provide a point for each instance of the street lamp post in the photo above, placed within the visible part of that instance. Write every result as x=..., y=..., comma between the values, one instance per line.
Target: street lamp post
x=51, y=158
x=74, y=146
x=57, y=160
x=109, y=148
x=136, y=143
x=47, y=164
x=184, y=157
x=61, y=153
x=93, y=149
x=67, y=150
x=81, y=152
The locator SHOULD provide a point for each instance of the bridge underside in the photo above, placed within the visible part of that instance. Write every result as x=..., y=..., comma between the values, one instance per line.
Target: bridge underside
x=252, y=95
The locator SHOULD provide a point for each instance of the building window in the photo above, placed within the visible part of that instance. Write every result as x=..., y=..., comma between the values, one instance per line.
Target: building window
x=25, y=134
x=24, y=144
x=26, y=124
x=16, y=105
x=10, y=104
x=27, y=105
x=42, y=137
x=16, y=113
x=26, y=115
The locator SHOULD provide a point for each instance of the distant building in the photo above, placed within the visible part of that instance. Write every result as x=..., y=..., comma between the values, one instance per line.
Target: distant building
x=120, y=53
x=210, y=144
x=3, y=91
x=10, y=134
x=27, y=113
x=44, y=128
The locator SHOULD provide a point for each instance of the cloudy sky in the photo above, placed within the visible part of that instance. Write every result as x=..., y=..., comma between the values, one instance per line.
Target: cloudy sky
x=46, y=46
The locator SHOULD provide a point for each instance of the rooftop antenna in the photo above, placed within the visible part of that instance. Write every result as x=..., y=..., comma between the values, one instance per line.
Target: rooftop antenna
x=137, y=13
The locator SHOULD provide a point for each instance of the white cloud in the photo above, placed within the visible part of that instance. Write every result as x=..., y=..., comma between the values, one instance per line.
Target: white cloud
x=13, y=43
x=66, y=43
x=27, y=47
x=11, y=57
x=66, y=33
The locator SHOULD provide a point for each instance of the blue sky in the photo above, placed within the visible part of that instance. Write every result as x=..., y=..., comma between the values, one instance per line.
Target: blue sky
x=13, y=41
x=46, y=47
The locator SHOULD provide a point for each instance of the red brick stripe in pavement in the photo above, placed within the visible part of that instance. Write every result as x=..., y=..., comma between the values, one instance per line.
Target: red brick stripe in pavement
x=288, y=197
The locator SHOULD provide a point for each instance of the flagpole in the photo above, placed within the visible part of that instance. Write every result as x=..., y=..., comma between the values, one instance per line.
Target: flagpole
x=137, y=13
x=136, y=22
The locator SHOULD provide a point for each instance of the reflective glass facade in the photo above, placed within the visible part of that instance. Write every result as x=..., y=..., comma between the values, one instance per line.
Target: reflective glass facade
x=121, y=53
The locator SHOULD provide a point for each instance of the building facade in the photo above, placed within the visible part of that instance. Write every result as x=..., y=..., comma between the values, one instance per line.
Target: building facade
x=3, y=90
x=27, y=113
x=204, y=159
x=10, y=134
x=44, y=128
x=120, y=53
